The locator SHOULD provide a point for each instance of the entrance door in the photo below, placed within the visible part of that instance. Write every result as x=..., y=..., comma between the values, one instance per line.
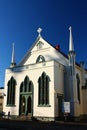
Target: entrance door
x=25, y=104
x=26, y=96
x=60, y=99
x=29, y=105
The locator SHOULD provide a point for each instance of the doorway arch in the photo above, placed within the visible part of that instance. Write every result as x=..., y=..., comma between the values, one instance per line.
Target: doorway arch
x=26, y=97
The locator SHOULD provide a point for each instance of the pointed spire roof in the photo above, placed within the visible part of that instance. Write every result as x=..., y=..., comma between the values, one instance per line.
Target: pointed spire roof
x=71, y=45
x=13, y=57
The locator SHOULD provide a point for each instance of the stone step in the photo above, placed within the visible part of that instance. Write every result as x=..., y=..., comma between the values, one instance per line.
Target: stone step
x=24, y=117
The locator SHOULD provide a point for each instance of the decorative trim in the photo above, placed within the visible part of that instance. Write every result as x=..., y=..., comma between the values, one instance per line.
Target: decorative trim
x=39, y=43
x=25, y=93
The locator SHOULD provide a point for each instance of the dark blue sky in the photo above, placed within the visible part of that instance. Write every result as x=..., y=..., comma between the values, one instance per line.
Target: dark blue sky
x=20, y=19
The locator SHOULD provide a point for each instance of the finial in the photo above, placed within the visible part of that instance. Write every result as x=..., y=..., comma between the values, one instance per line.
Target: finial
x=70, y=28
x=39, y=30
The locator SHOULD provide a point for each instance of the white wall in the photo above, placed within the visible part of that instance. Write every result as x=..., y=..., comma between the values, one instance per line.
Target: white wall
x=58, y=83
x=34, y=72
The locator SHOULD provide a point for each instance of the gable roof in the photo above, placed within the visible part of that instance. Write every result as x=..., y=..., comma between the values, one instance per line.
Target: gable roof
x=24, y=59
x=39, y=38
x=26, y=55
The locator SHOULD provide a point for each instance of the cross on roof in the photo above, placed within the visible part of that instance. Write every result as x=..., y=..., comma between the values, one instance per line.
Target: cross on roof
x=39, y=30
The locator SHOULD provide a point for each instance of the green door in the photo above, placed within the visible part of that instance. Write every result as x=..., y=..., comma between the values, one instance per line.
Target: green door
x=25, y=104
x=29, y=105
x=26, y=97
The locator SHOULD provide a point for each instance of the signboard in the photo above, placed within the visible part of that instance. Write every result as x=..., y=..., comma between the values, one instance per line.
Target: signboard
x=66, y=107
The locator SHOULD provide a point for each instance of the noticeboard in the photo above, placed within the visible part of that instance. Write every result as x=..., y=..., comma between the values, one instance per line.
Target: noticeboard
x=66, y=107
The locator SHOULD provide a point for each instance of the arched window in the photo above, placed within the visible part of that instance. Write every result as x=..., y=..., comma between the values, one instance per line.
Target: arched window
x=26, y=86
x=43, y=89
x=11, y=91
x=40, y=59
x=47, y=89
x=78, y=87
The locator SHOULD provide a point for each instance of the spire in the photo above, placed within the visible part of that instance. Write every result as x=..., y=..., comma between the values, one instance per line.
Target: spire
x=71, y=53
x=13, y=58
x=71, y=46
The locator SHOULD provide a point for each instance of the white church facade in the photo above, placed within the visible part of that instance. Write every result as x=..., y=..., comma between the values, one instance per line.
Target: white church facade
x=44, y=79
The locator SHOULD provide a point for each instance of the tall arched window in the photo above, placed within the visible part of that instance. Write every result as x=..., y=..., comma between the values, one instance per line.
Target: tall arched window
x=78, y=87
x=11, y=91
x=26, y=96
x=43, y=89
x=26, y=86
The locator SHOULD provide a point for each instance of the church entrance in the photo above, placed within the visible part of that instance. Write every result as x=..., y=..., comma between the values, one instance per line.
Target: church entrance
x=60, y=100
x=26, y=97
x=26, y=104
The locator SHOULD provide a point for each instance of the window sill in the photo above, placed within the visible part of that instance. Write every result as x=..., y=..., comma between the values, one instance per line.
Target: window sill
x=44, y=105
x=10, y=105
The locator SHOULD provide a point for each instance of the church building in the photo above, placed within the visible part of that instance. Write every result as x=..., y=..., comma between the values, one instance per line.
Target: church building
x=43, y=80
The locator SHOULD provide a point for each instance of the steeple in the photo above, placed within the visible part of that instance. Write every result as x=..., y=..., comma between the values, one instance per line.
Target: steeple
x=71, y=46
x=13, y=64
x=72, y=86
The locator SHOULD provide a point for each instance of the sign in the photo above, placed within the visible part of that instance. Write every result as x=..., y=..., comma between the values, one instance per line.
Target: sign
x=66, y=107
